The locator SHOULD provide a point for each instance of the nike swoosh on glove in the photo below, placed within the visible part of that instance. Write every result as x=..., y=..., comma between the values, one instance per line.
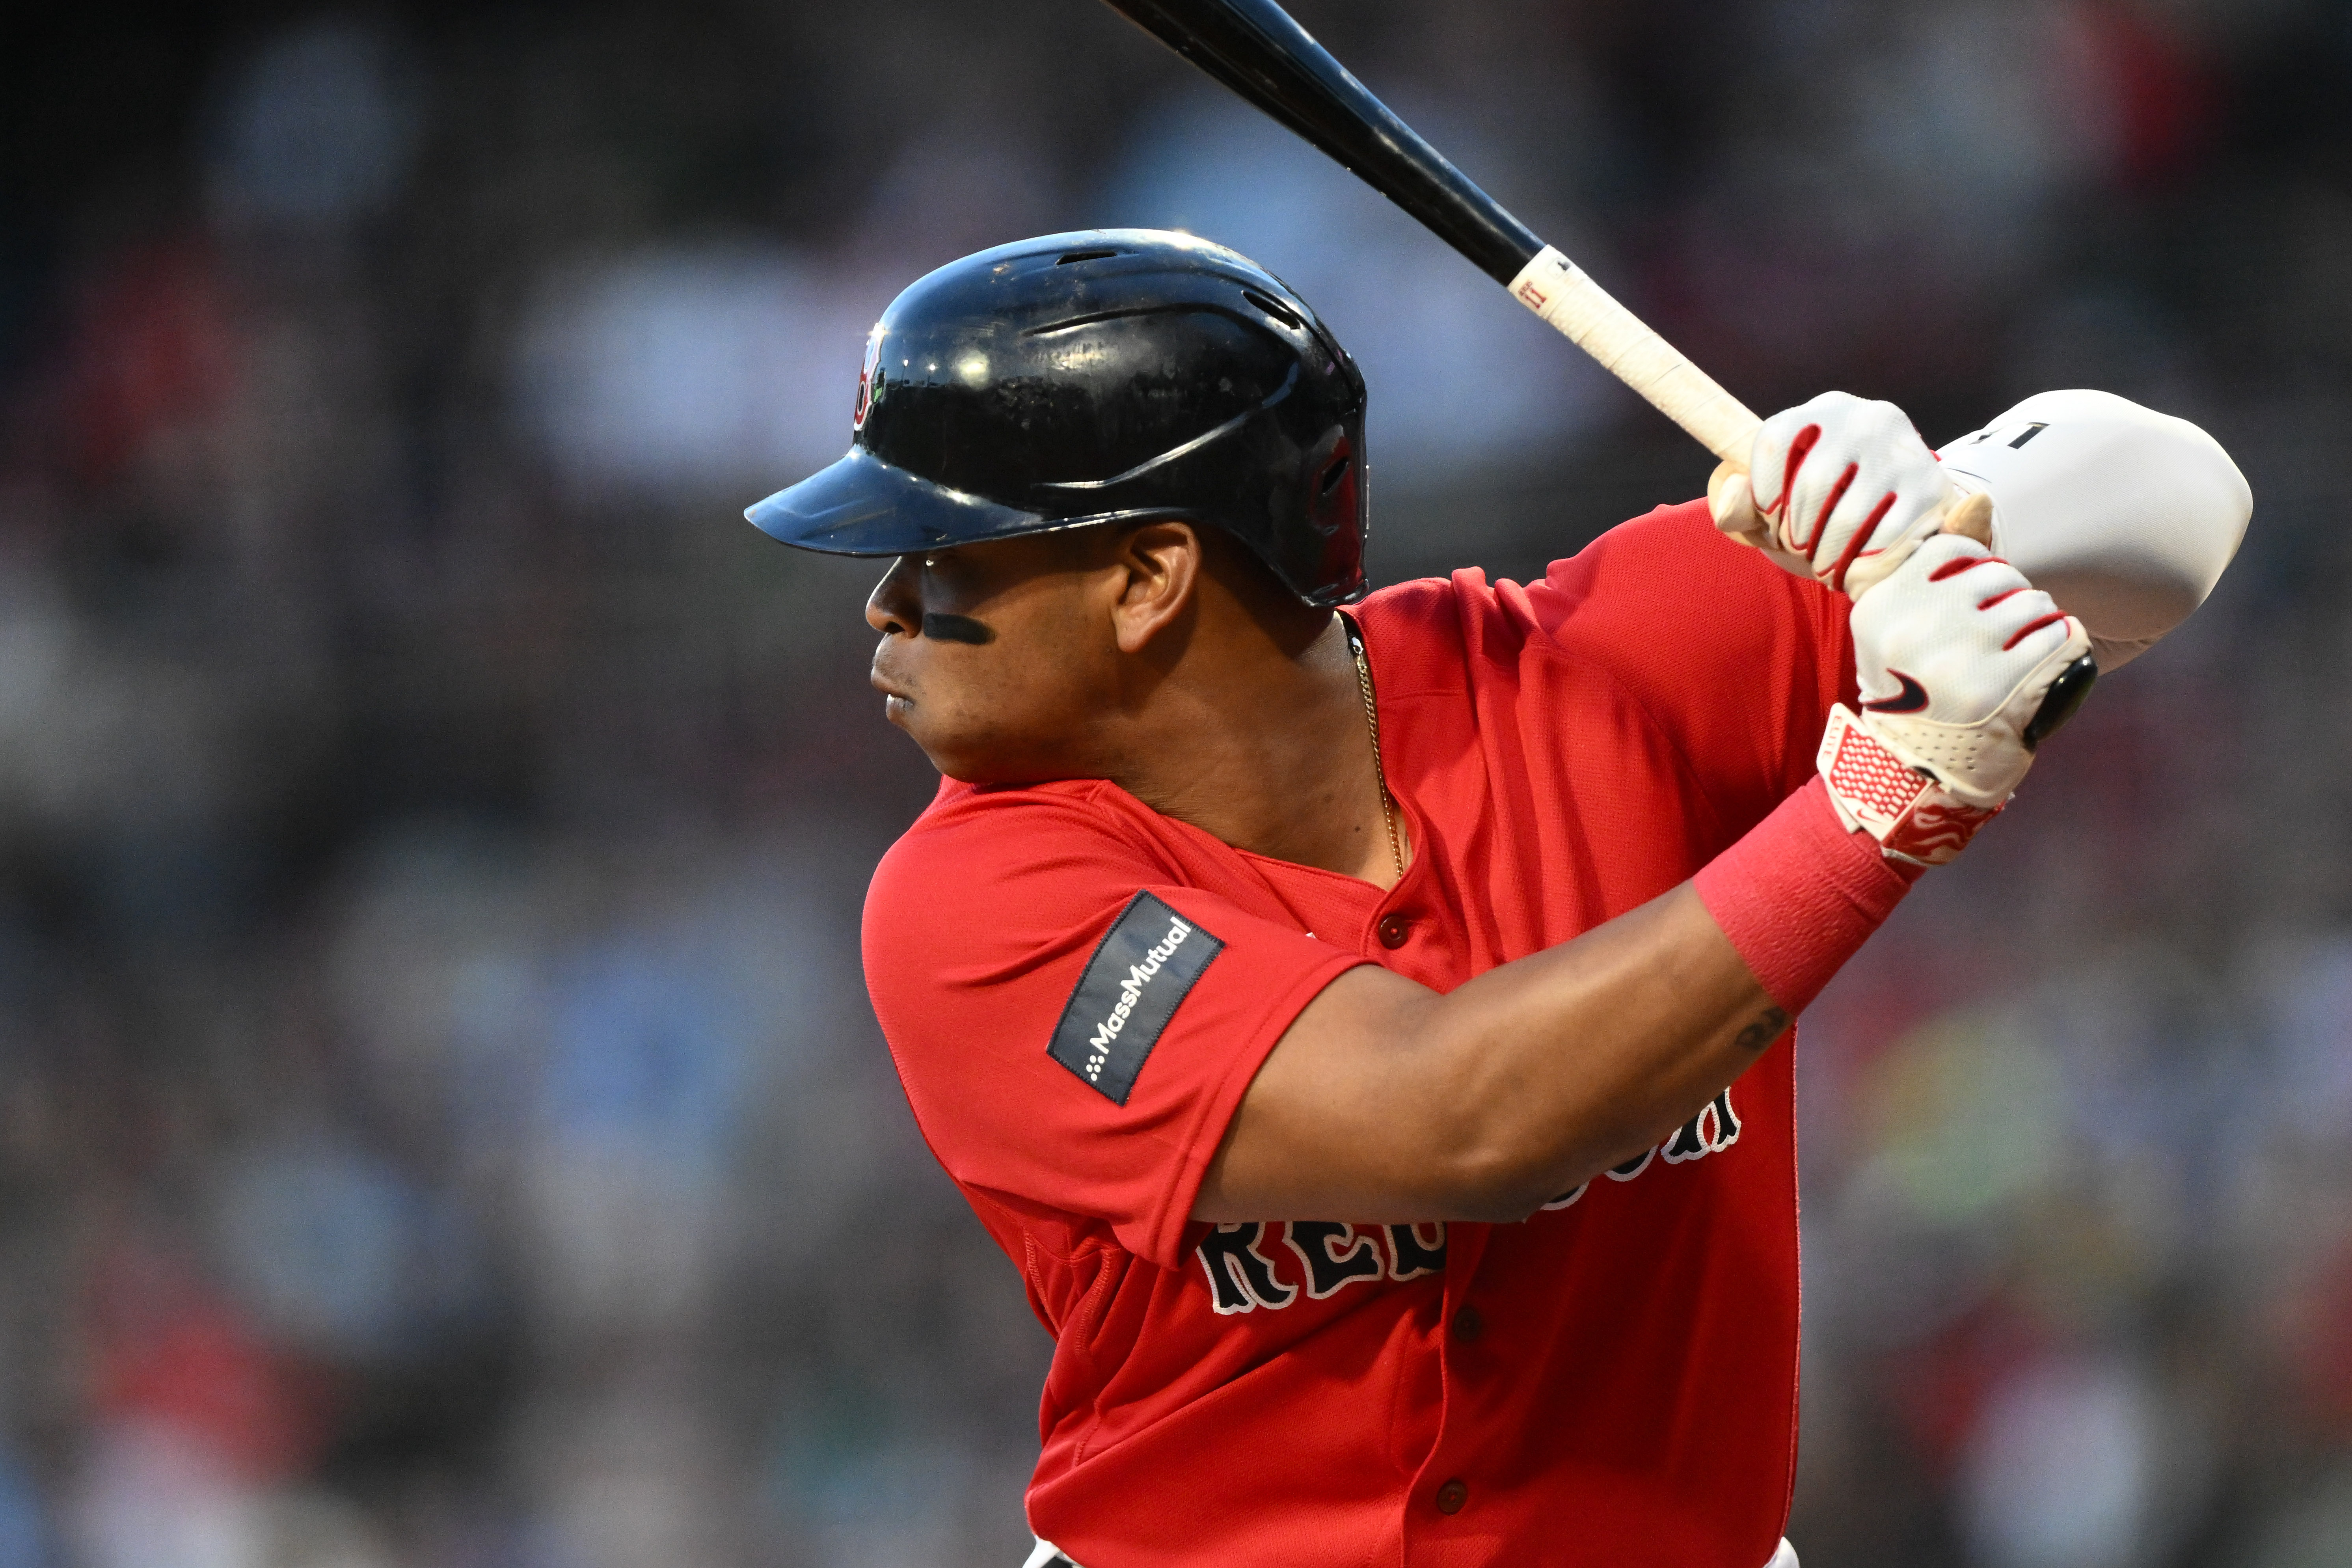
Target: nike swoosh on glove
x=1956, y=652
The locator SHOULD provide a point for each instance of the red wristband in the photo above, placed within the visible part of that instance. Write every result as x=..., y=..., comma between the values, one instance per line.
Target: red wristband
x=1799, y=895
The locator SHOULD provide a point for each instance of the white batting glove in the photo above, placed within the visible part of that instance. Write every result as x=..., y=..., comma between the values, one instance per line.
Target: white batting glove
x=1958, y=655
x=1839, y=489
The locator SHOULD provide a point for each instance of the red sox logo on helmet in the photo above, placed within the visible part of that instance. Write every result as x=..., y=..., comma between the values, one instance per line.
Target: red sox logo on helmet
x=866, y=373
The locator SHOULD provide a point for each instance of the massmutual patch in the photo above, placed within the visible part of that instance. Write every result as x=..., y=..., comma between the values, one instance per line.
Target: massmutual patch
x=1143, y=969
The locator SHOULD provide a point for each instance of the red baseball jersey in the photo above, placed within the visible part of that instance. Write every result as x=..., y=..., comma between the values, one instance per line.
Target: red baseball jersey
x=1077, y=991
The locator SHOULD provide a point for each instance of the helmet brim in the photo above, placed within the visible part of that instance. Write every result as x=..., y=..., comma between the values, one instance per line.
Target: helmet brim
x=863, y=506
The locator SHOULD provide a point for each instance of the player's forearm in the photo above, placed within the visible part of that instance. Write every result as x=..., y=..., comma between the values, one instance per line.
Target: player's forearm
x=1387, y=1102
x=1689, y=987
x=1567, y=1062
x=1499, y=1096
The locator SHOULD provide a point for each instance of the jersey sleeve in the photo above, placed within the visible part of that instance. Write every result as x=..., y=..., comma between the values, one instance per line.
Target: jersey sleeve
x=1735, y=659
x=1074, y=1027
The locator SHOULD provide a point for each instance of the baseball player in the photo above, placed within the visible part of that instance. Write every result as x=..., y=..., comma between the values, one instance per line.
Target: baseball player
x=1363, y=1028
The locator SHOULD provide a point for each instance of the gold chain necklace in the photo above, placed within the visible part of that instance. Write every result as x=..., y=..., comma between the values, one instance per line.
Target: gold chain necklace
x=1380, y=773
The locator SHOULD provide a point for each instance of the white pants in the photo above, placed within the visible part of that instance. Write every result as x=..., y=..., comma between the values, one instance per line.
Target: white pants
x=1047, y=1552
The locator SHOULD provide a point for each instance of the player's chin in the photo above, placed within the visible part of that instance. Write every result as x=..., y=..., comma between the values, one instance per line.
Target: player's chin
x=922, y=726
x=979, y=756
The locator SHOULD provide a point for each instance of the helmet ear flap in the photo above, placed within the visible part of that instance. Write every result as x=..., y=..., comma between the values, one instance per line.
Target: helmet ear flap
x=1332, y=504
x=1334, y=512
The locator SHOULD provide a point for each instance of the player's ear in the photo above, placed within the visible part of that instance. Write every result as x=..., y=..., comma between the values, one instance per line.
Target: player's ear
x=1160, y=569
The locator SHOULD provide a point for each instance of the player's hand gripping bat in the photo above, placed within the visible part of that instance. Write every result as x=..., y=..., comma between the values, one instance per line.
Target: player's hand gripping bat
x=1255, y=47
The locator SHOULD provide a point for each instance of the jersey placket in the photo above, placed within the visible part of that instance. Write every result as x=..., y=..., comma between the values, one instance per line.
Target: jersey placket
x=1407, y=933
x=1404, y=931
x=1444, y=1504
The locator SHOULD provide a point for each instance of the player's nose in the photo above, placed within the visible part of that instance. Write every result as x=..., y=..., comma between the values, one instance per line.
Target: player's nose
x=895, y=605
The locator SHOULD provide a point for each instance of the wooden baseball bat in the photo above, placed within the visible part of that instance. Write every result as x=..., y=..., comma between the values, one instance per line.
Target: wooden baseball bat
x=1255, y=47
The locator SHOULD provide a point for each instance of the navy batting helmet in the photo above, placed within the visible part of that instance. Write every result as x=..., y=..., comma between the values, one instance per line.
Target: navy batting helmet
x=1105, y=376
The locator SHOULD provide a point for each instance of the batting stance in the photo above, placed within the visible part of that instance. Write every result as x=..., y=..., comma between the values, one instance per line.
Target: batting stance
x=1360, y=1026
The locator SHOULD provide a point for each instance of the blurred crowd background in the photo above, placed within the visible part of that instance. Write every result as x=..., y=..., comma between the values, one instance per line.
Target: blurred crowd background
x=441, y=1125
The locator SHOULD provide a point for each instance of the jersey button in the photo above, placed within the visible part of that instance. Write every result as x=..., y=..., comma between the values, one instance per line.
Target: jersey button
x=1393, y=930
x=1468, y=1325
x=1451, y=1496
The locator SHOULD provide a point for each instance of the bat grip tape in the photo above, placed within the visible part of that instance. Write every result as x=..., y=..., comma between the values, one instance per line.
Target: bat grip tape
x=1563, y=294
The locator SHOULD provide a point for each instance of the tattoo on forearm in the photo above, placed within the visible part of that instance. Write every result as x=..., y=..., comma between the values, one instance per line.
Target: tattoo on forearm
x=1764, y=1031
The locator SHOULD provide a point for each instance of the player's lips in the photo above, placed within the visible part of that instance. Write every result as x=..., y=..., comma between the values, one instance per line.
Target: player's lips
x=896, y=698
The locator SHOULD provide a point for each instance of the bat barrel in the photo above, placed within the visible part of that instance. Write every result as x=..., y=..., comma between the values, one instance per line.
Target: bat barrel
x=1255, y=47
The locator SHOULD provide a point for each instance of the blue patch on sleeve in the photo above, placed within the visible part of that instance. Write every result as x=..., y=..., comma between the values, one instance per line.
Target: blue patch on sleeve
x=1143, y=967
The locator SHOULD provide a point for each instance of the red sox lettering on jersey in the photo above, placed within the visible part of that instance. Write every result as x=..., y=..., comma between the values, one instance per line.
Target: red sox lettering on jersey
x=1331, y=1255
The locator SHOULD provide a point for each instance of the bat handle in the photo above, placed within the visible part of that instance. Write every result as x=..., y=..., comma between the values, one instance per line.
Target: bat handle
x=1559, y=291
